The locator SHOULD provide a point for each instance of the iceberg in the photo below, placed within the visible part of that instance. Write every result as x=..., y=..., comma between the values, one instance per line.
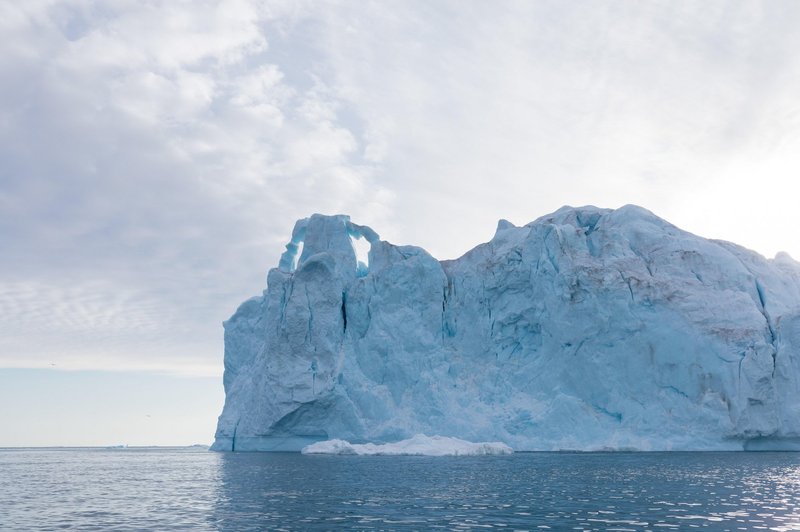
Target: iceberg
x=586, y=329
x=418, y=445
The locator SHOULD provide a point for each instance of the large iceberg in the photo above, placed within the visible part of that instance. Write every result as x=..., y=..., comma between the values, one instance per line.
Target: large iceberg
x=587, y=329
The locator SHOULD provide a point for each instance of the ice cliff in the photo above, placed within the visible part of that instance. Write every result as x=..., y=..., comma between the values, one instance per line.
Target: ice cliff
x=586, y=329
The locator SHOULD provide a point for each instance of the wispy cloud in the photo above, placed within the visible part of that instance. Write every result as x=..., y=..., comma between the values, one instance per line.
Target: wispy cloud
x=99, y=324
x=154, y=155
x=484, y=111
x=154, y=160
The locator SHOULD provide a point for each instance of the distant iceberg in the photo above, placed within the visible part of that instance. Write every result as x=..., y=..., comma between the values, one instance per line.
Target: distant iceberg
x=419, y=445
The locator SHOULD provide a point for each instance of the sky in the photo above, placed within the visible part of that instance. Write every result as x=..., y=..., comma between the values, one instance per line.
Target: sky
x=154, y=156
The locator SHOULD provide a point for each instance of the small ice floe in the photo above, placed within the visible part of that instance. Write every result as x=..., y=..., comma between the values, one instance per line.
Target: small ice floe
x=418, y=445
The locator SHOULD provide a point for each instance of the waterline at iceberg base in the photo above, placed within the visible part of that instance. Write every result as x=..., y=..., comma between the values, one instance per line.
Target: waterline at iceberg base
x=419, y=445
x=587, y=329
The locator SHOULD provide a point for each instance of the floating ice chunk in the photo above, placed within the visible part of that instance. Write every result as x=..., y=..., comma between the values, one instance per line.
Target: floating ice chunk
x=418, y=445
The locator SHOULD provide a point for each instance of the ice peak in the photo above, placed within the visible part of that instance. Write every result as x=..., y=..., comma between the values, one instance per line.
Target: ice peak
x=502, y=225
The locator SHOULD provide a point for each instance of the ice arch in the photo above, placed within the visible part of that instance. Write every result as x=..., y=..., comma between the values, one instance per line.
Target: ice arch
x=362, y=238
x=294, y=248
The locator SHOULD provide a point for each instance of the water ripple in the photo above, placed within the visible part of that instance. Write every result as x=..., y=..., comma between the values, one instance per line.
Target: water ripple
x=157, y=489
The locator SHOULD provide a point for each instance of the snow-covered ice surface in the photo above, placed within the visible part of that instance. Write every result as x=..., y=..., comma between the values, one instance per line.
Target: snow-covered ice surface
x=587, y=329
x=418, y=445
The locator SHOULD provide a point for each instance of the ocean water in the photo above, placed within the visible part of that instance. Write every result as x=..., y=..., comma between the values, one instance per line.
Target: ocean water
x=191, y=489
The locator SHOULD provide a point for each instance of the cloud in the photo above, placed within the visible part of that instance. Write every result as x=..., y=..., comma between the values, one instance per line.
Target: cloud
x=153, y=149
x=98, y=324
x=154, y=155
x=483, y=113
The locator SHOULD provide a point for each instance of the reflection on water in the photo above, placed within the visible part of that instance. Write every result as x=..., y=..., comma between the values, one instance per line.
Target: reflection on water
x=160, y=489
x=575, y=491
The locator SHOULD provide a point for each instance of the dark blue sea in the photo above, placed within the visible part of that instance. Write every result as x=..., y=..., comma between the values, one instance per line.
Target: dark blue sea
x=191, y=489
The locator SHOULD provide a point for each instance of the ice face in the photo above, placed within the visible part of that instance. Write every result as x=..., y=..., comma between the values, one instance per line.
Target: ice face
x=586, y=329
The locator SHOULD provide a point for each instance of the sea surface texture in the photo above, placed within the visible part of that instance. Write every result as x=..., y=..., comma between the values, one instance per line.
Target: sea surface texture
x=161, y=489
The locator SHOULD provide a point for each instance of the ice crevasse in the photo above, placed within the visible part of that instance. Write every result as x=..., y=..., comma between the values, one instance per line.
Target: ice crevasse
x=587, y=329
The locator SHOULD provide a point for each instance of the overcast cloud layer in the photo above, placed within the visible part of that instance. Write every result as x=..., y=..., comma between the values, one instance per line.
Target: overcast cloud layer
x=155, y=155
